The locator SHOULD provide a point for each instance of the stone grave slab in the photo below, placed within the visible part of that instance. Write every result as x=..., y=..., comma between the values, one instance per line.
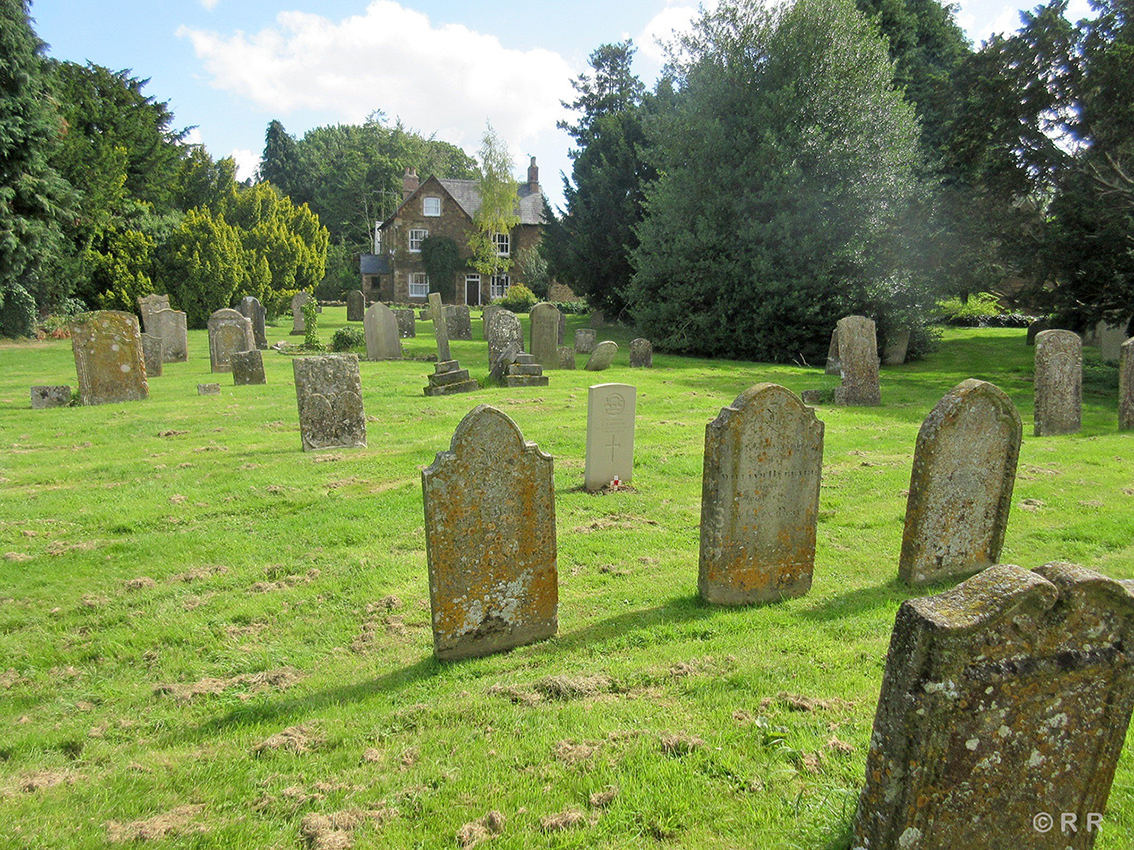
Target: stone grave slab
x=355, y=305
x=173, y=328
x=147, y=306
x=545, y=335
x=585, y=340
x=458, y=322
x=858, y=360
x=248, y=368
x=43, y=397
x=255, y=312
x=1058, y=383
x=407, y=327
x=383, y=340
x=108, y=357
x=151, y=354
x=328, y=390
x=298, y=322
x=229, y=332
x=602, y=356
x=610, y=435
x=1126, y=386
x=641, y=354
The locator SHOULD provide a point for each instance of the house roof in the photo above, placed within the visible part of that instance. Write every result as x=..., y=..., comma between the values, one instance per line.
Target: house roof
x=465, y=194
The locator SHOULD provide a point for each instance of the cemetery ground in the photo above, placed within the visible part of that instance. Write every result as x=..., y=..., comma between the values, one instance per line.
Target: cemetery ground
x=210, y=638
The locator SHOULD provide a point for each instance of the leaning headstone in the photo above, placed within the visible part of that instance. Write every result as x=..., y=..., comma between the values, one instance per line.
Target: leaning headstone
x=251, y=308
x=1058, y=383
x=503, y=331
x=248, y=367
x=545, y=334
x=151, y=354
x=490, y=539
x=760, y=498
x=458, y=323
x=355, y=305
x=585, y=340
x=610, y=435
x=108, y=357
x=602, y=356
x=440, y=329
x=208, y=389
x=50, y=396
x=641, y=354
x=147, y=306
x=407, y=327
x=328, y=390
x=298, y=323
x=566, y=357
x=1126, y=386
x=858, y=360
x=486, y=315
x=383, y=341
x=229, y=332
x=1004, y=707
x=960, y=493
x=897, y=345
x=1035, y=327
x=172, y=326
x=500, y=366
x=833, y=367
x=448, y=377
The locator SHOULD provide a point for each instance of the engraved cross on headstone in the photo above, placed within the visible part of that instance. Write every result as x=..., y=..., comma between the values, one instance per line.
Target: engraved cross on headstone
x=613, y=445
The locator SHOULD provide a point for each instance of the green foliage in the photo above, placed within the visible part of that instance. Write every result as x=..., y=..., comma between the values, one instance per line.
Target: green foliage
x=279, y=304
x=982, y=305
x=204, y=266
x=518, y=299
x=498, y=202
x=201, y=182
x=17, y=312
x=347, y=338
x=121, y=264
x=534, y=269
x=786, y=164
x=342, y=273
x=441, y=257
x=311, y=325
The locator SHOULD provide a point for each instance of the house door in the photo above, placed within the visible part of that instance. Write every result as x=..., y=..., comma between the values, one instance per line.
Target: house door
x=472, y=290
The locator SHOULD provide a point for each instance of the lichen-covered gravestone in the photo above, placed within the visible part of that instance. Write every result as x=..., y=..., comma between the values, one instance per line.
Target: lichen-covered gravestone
x=490, y=539
x=229, y=332
x=407, y=328
x=858, y=360
x=440, y=328
x=355, y=305
x=964, y=469
x=253, y=311
x=383, y=341
x=298, y=323
x=565, y=357
x=458, y=322
x=602, y=356
x=503, y=332
x=1126, y=386
x=172, y=326
x=896, y=347
x=208, y=389
x=448, y=377
x=248, y=368
x=1058, y=383
x=641, y=354
x=151, y=354
x=486, y=315
x=108, y=357
x=832, y=367
x=585, y=340
x=760, y=498
x=610, y=435
x=43, y=397
x=545, y=335
x=1005, y=700
x=147, y=306
x=329, y=392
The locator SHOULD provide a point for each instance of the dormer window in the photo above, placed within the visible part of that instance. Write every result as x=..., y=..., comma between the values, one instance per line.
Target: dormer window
x=503, y=244
x=431, y=206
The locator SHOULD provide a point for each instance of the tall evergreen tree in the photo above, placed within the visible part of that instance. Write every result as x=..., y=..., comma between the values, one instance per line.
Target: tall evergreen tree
x=279, y=164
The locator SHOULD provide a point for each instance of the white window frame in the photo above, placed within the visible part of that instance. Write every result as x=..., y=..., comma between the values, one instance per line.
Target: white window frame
x=502, y=240
x=498, y=286
x=417, y=236
x=419, y=280
x=425, y=206
x=471, y=278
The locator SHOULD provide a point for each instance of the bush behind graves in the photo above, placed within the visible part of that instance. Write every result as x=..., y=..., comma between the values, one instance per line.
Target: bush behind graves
x=347, y=338
x=518, y=299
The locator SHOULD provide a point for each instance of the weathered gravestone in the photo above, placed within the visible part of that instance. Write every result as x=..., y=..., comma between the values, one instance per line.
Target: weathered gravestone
x=248, y=367
x=858, y=360
x=1126, y=386
x=490, y=539
x=328, y=389
x=108, y=357
x=229, y=332
x=584, y=340
x=458, y=322
x=407, y=327
x=832, y=367
x=545, y=335
x=1058, y=383
x=486, y=315
x=760, y=498
x=383, y=341
x=641, y=354
x=565, y=357
x=964, y=469
x=610, y=435
x=208, y=389
x=598, y=318
x=1005, y=700
x=602, y=356
x=503, y=331
x=147, y=306
x=522, y=371
x=448, y=377
x=173, y=329
x=298, y=323
x=43, y=397
x=896, y=347
x=561, y=332
x=440, y=328
x=251, y=309
x=151, y=355
x=355, y=305
x=1034, y=328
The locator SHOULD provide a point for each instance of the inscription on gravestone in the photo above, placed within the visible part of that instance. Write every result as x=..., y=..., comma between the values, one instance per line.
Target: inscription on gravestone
x=328, y=389
x=1004, y=697
x=490, y=539
x=610, y=435
x=964, y=469
x=108, y=357
x=1058, y=383
x=760, y=498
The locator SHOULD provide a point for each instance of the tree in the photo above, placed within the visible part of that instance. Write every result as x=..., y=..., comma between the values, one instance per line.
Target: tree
x=205, y=265
x=33, y=196
x=498, y=201
x=279, y=164
x=785, y=167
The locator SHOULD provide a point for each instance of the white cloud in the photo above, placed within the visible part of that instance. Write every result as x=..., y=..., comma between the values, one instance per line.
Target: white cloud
x=445, y=79
x=246, y=163
x=209, y=4
x=674, y=19
x=194, y=137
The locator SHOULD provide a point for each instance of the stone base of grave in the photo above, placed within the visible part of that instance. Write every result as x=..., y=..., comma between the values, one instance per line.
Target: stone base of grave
x=449, y=378
x=525, y=372
x=43, y=397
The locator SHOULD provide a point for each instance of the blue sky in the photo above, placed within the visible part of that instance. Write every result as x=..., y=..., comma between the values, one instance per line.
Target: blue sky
x=228, y=67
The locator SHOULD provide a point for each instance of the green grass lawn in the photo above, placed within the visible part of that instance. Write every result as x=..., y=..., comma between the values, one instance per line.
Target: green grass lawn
x=209, y=638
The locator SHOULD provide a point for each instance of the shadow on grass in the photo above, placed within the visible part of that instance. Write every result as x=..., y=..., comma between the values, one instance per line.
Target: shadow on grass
x=865, y=599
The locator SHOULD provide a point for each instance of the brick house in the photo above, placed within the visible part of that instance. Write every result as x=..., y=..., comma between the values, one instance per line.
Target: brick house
x=394, y=273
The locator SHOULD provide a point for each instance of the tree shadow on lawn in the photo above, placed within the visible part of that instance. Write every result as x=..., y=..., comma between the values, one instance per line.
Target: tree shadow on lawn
x=863, y=600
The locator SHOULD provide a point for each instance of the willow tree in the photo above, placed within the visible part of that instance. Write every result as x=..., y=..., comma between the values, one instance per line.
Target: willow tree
x=498, y=207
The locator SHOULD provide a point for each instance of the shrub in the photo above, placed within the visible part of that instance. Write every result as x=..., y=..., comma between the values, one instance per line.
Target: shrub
x=278, y=304
x=17, y=312
x=347, y=338
x=518, y=299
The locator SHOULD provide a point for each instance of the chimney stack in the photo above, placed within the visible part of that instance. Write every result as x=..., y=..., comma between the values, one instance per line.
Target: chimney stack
x=409, y=183
x=533, y=177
